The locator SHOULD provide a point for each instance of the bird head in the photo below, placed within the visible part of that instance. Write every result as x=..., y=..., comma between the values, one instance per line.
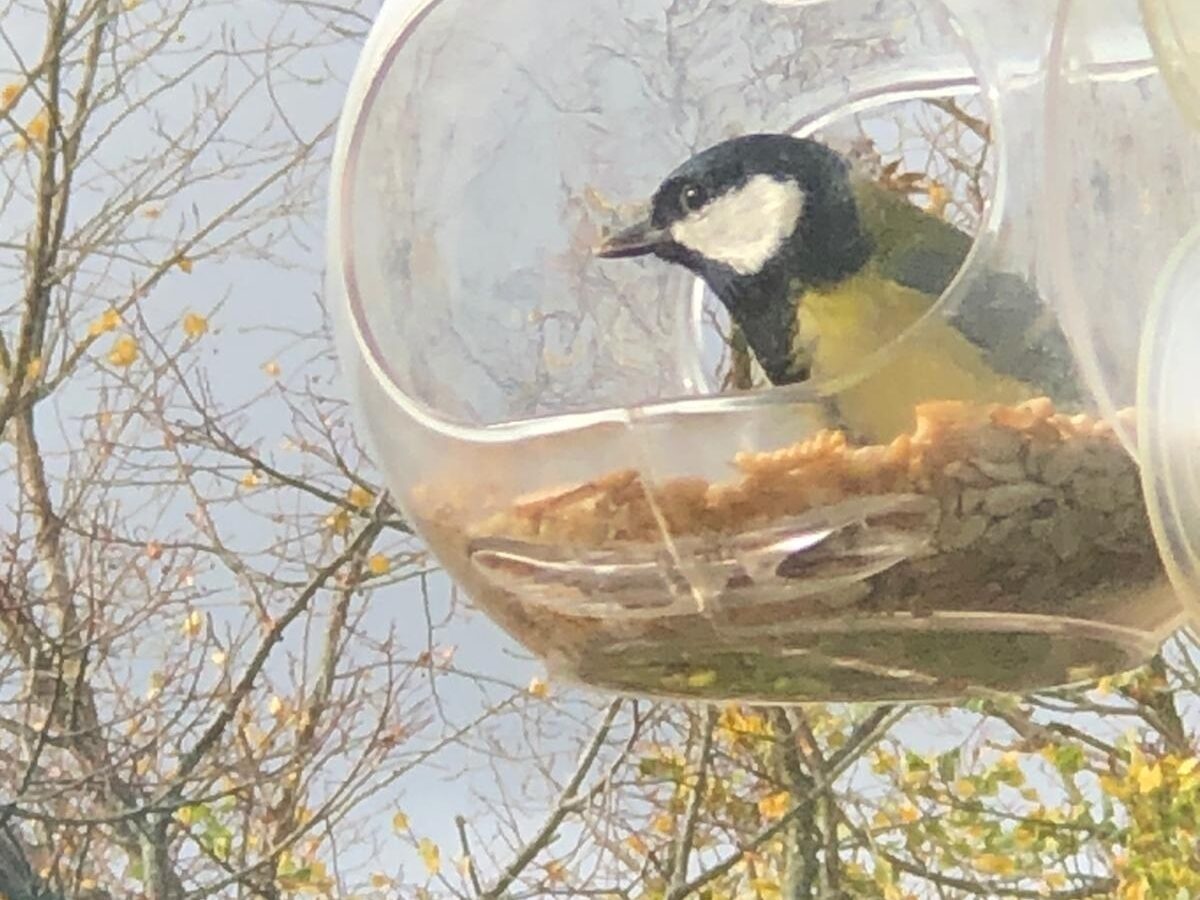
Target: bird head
x=758, y=217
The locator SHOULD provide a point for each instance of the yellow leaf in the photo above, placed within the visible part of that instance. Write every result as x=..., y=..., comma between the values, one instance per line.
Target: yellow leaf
x=39, y=127
x=34, y=368
x=664, y=823
x=156, y=685
x=379, y=880
x=965, y=788
x=995, y=864
x=702, y=679
x=939, y=198
x=338, y=522
x=186, y=815
x=1150, y=778
x=637, y=845
x=218, y=657
x=87, y=884
x=1104, y=686
x=185, y=265
x=883, y=762
x=1188, y=765
x=124, y=351
x=107, y=322
x=250, y=479
x=9, y=93
x=130, y=5
x=271, y=368
x=195, y=325
x=194, y=623
x=1055, y=880
x=909, y=813
x=431, y=856
x=359, y=497
x=1137, y=759
x=538, y=688
x=379, y=564
x=556, y=872
x=276, y=706
x=400, y=822
x=773, y=806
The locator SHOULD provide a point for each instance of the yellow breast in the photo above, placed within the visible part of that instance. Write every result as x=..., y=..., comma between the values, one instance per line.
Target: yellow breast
x=841, y=327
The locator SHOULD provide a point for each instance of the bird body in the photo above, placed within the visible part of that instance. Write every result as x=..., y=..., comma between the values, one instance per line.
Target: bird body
x=821, y=269
x=841, y=325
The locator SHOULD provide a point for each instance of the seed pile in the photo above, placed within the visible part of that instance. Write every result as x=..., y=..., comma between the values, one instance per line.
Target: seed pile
x=1020, y=486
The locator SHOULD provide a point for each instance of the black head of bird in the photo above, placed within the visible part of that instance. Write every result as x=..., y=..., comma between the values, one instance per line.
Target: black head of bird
x=759, y=218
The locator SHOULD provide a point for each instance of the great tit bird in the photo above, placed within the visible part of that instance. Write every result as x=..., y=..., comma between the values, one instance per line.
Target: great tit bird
x=820, y=267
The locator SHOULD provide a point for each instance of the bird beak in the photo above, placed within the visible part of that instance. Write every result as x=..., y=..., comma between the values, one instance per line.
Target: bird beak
x=636, y=240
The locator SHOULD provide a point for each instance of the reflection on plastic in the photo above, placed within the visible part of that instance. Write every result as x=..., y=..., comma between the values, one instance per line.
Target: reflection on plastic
x=1169, y=420
x=1174, y=30
x=821, y=555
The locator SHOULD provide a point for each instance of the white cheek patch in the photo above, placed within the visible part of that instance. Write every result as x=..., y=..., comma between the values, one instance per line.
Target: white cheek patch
x=746, y=227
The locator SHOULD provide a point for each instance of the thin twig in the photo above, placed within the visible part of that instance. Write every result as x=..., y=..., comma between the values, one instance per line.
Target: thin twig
x=799, y=807
x=460, y=823
x=567, y=802
x=687, y=837
x=245, y=684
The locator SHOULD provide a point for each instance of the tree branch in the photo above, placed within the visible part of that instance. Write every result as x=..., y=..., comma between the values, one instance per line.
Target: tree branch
x=687, y=836
x=567, y=803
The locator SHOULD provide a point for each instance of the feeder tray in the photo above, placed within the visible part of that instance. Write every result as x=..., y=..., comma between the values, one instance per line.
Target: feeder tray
x=561, y=429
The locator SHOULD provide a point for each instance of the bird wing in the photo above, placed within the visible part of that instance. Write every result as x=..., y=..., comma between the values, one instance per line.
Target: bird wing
x=1002, y=313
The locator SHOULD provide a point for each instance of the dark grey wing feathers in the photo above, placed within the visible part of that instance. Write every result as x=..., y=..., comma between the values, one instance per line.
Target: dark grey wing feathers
x=1001, y=313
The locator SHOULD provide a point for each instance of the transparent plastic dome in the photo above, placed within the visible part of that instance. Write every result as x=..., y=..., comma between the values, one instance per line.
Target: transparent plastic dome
x=590, y=452
x=1123, y=229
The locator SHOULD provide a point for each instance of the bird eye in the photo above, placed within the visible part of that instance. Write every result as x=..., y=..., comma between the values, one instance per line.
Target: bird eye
x=692, y=197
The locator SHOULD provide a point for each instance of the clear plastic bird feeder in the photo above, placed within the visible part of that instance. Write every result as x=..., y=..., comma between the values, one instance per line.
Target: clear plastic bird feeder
x=561, y=429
